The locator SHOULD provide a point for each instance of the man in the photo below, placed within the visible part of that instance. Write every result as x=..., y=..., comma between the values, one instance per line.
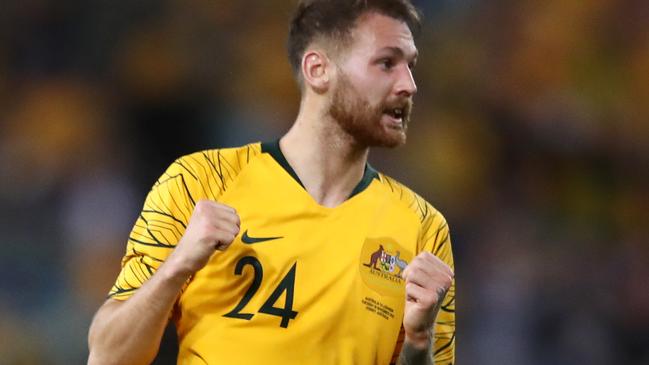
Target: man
x=291, y=252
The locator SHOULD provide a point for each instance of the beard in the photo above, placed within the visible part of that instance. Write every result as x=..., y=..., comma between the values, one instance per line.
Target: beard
x=363, y=121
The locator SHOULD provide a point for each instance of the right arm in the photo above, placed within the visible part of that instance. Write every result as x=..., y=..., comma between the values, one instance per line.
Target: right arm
x=129, y=332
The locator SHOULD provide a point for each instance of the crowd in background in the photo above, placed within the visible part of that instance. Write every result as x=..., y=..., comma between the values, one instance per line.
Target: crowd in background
x=530, y=133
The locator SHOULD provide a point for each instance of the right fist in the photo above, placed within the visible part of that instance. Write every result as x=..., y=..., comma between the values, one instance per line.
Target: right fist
x=212, y=227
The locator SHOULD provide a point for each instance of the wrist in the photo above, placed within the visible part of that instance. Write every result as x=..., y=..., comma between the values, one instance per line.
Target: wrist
x=173, y=271
x=419, y=340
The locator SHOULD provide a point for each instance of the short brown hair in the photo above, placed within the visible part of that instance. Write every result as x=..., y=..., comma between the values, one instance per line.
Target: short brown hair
x=334, y=19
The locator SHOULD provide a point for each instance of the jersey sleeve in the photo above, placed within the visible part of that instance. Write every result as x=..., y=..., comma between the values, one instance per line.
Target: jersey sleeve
x=435, y=237
x=159, y=227
x=168, y=207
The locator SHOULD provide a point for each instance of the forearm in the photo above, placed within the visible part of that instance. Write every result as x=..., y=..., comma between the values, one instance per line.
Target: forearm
x=417, y=349
x=129, y=332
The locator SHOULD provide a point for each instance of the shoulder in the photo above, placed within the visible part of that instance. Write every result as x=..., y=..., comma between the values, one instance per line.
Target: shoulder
x=206, y=174
x=428, y=216
x=222, y=160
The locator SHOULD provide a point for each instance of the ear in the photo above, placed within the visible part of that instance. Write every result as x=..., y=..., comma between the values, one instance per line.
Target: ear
x=316, y=70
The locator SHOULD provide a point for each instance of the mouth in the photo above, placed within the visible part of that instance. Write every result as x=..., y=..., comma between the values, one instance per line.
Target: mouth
x=395, y=117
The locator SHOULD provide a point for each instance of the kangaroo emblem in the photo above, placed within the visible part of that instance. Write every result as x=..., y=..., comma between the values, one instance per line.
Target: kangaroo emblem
x=375, y=258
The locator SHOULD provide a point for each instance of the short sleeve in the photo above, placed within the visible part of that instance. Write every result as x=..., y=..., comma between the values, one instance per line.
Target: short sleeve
x=159, y=227
x=437, y=239
x=168, y=207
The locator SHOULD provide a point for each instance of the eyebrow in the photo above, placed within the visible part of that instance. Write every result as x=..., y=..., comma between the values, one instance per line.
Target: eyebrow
x=399, y=52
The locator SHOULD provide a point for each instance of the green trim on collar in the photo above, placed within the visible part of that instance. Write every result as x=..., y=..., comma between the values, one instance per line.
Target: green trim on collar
x=273, y=149
x=369, y=175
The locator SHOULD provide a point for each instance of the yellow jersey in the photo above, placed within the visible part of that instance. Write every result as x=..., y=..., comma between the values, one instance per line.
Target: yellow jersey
x=301, y=283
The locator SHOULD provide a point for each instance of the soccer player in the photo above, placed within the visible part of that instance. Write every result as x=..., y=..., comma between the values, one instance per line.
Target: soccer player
x=297, y=251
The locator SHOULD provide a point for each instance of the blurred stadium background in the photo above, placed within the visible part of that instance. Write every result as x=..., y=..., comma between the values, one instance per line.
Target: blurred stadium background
x=531, y=134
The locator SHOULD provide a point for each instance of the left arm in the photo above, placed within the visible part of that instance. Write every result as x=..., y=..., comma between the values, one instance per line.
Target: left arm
x=428, y=279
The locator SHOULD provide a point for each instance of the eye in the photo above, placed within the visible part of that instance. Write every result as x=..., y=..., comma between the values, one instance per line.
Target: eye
x=386, y=63
x=412, y=65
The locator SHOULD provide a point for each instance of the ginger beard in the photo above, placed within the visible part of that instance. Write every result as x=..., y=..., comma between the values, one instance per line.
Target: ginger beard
x=369, y=125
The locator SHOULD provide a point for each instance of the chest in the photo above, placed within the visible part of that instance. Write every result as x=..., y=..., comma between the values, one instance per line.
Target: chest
x=301, y=272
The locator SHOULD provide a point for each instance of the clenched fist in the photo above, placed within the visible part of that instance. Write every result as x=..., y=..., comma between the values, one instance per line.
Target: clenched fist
x=212, y=227
x=427, y=280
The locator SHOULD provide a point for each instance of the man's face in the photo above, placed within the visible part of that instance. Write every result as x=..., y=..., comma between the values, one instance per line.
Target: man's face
x=372, y=94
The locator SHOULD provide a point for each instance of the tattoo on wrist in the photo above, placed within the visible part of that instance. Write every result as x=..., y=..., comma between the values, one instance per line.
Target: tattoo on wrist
x=413, y=356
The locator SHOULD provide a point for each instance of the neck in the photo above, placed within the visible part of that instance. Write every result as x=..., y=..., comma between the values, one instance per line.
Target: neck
x=326, y=159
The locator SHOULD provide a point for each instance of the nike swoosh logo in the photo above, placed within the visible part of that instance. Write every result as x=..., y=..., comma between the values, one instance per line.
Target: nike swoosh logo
x=250, y=240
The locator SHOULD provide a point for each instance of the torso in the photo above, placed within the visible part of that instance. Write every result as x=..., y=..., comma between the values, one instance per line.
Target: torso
x=336, y=265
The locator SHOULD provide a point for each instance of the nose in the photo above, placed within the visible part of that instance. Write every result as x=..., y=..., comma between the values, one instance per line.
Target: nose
x=406, y=85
